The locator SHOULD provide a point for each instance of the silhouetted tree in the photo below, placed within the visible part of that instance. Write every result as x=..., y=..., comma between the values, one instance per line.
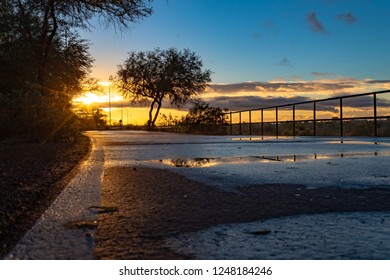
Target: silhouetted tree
x=168, y=120
x=27, y=107
x=204, y=114
x=91, y=117
x=162, y=75
x=43, y=61
x=205, y=119
x=43, y=21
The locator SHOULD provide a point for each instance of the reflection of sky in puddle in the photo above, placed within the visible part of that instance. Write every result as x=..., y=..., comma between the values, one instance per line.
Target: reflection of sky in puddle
x=355, y=142
x=225, y=163
x=322, y=236
x=281, y=139
x=208, y=162
x=247, y=138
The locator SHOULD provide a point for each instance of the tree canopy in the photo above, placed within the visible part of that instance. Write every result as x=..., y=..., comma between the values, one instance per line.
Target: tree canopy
x=156, y=76
x=43, y=60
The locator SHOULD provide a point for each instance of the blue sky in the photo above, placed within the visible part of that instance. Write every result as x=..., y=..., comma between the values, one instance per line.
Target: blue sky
x=254, y=42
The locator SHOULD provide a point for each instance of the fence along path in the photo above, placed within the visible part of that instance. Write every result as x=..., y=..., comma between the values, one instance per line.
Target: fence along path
x=313, y=106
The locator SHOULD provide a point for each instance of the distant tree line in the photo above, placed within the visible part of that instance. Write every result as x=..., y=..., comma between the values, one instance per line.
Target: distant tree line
x=323, y=128
x=202, y=118
x=44, y=62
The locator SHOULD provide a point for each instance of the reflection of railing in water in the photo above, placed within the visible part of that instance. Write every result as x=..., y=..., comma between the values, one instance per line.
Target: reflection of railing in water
x=314, y=120
x=294, y=158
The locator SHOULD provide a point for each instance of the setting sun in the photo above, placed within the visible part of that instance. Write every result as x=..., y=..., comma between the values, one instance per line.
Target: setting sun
x=90, y=98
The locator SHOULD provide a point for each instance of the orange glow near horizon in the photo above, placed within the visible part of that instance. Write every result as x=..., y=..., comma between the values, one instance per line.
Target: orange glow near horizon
x=89, y=98
x=139, y=115
x=121, y=108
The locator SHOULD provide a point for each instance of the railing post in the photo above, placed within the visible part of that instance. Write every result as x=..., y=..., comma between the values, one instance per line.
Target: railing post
x=276, y=122
x=375, y=118
x=314, y=119
x=250, y=122
x=341, y=117
x=239, y=117
x=262, y=122
x=231, y=123
x=293, y=120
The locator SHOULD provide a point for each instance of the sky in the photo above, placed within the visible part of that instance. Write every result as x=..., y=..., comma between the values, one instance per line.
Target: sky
x=262, y=50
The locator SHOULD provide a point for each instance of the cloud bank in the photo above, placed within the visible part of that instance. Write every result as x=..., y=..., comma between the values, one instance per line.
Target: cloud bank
x=250, y=95
x=283, y=87
x=253, y=95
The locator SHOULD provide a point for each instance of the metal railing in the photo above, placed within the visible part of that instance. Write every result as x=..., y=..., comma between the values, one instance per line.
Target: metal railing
x=312, y=106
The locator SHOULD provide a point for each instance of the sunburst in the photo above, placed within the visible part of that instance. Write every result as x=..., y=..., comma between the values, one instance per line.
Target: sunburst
x=90, y=98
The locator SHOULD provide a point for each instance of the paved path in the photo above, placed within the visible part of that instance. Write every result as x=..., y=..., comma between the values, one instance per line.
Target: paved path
x=67, y=229
x=331, y=236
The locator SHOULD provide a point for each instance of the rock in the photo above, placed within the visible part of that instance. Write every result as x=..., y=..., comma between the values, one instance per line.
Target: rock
x=81, y=225
x=104, y=209
x=261, y=232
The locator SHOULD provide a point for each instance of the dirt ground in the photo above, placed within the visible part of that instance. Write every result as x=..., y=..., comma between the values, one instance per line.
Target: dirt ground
x=31, y=177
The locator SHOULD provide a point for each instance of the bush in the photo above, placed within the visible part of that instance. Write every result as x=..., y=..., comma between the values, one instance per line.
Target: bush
x=29, y=117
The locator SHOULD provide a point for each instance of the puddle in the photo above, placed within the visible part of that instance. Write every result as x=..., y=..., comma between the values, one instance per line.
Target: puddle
x=356, y=142
x=228, y=162
x=208, y=162
x=267, y=139
x=247, y=138
x=188, y=163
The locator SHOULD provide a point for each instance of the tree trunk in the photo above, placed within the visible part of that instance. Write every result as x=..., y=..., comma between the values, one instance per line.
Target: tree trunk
x=151, y=115
x=159, y=103
x=47, y=38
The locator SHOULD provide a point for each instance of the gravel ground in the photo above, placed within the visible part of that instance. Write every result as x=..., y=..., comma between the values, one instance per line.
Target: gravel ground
x=31, y=177
x=155, y=204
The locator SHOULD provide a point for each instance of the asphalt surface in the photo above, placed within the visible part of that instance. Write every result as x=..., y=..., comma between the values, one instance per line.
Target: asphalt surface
x=154, y=187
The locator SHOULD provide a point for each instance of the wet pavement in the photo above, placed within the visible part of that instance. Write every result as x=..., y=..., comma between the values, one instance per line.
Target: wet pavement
x=333, y=236
x=231, y=161
x=228, y=162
